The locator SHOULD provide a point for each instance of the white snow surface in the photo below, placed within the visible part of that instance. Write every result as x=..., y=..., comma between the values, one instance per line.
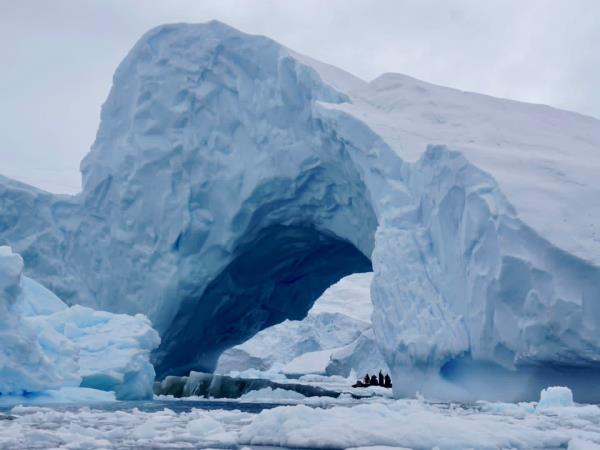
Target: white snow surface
x=233, y=180
x=351, y=296
x=544, y=160
x=309, y=362
x=413, y=424
x=46, y=345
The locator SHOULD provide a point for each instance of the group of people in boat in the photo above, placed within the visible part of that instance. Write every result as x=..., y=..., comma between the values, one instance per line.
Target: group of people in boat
x=375, y=380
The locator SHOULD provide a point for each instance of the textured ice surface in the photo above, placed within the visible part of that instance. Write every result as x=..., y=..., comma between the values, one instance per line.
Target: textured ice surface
x=232, y=181
x=64, y=395
x=418, y=425
x=39, y=427
x=413, y=424
x=33, y=357
x=46, y=345
x=555, y=396
x=269, y=395
x=334, y=338
x=359, y=357
x=114, y=349
x=544, y=160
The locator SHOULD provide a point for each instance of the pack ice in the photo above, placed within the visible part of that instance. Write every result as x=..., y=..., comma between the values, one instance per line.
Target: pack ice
x=232, y=181
x=47, y=346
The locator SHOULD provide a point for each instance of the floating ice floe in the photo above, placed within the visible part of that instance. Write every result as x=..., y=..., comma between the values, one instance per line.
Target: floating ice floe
x=555, y=397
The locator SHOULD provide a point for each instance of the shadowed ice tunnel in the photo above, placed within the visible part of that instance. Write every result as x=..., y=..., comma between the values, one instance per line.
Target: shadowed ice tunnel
x=276, y=276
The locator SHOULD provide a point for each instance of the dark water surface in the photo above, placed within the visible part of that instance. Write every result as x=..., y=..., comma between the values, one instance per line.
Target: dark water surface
x=178, y=406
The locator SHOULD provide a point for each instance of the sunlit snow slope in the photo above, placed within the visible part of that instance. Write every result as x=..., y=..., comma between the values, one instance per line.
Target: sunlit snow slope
x=232, y=181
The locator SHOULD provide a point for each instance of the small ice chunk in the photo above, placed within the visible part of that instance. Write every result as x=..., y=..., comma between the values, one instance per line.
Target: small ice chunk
x=204, y=427
x=270, y=395
x=555, y=397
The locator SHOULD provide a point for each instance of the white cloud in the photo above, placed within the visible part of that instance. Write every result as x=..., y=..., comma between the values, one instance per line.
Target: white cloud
x=58, y=57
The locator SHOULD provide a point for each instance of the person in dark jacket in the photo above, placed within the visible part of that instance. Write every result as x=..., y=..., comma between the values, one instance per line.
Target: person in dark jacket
x=367, y=380
x=387, y=381
x=374, y=381
x=380, y=378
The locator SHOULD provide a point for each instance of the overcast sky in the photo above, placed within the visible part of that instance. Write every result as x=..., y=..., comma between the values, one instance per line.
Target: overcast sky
x=58, y=56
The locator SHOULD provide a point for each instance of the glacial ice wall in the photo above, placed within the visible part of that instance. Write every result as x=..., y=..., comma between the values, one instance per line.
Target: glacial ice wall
x=232, y=181
x=514, y=306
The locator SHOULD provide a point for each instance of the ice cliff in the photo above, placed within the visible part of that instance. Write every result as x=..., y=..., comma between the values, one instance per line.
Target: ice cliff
x=232, y=181
x=46, y=345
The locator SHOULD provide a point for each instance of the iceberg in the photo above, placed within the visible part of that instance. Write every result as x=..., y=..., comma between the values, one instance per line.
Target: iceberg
x=555, y=397
x=30, y=359
x=114, y=349
x=48, y=348
x=233, y=180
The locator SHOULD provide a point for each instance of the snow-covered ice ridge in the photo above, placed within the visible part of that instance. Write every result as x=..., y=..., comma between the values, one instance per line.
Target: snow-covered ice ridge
x=233, y=180
x=51, y=352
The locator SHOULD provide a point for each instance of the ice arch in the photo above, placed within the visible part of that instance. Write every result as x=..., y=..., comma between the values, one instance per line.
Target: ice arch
x=246, y=205
x=276, y=276
x=216, y=149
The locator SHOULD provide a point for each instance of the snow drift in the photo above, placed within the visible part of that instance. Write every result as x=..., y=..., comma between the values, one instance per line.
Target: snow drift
x=232, y=181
